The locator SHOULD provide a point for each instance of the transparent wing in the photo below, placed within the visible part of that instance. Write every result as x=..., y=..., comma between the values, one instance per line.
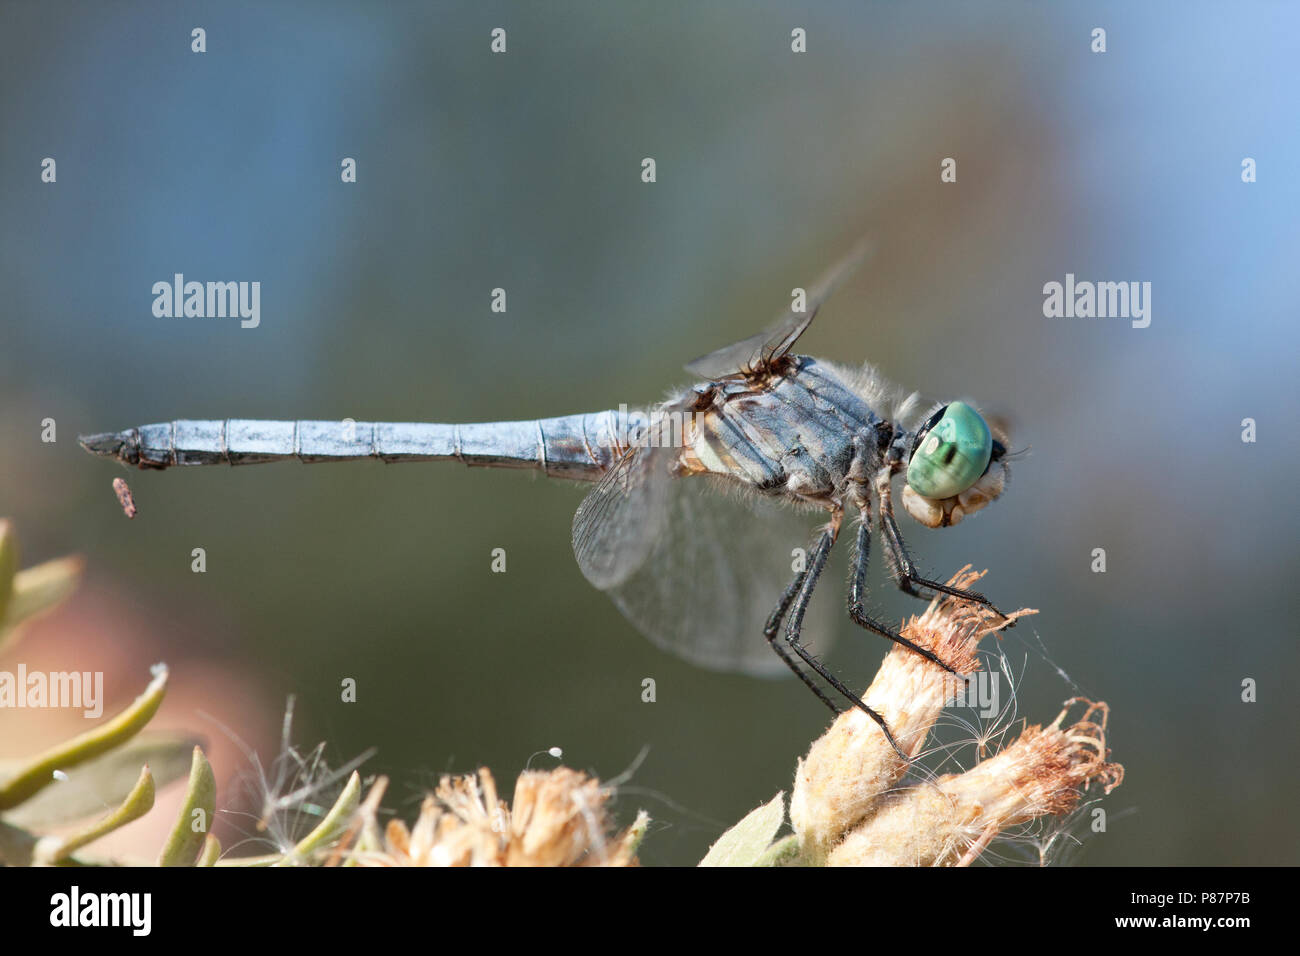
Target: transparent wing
x=616, y=524
x=750, y=356
x=753, y=355
x=694, y=568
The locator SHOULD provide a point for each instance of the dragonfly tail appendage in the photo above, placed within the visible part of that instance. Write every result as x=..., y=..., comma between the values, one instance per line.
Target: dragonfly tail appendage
x=106, y=444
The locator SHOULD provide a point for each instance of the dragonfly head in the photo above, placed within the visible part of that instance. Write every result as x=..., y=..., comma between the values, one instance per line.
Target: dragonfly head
x=956, y=467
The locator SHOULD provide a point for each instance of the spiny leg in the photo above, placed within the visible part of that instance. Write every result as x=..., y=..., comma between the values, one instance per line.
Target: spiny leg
x=794, y=625
x=773, y=627
x=857, y=589
x=900, y=562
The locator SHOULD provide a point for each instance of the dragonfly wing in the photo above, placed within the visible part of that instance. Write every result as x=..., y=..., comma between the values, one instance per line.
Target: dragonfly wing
x=749, y=356
x=717, y=565
x=755, y=354
x=617, y=523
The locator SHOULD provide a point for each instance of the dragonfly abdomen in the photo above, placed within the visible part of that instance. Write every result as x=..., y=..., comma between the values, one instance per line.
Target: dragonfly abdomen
x=582, y=447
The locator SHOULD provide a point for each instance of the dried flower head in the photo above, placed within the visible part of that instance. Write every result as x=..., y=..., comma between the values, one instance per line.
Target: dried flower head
x=949, y=822
x=846, y=808
x=558, y=819
x=852, y=764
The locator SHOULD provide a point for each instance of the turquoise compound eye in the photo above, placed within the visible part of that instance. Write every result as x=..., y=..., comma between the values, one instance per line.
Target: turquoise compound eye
x=952, y=455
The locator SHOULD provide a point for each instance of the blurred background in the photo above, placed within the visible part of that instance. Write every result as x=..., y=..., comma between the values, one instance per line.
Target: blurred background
x=522, y=171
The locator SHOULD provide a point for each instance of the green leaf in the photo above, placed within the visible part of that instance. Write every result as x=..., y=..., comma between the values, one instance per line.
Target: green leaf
x=332, y=827
x=36, y=590
x=106, y=780
x=211, y=852
x=183, y=845
x=51, y=850
x=39, y=774
x=784, y=851
x=8, y=564
x=746, y=843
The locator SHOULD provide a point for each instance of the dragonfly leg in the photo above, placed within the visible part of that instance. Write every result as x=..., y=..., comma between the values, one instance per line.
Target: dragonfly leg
x=798, y=596
x=857, y=590
x=901, y=566
x=773, y=627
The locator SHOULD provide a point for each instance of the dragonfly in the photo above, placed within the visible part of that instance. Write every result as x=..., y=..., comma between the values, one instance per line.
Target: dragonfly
x=696, y=501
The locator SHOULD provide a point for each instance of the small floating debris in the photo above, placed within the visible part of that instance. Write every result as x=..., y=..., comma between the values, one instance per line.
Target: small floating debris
x=124, y=497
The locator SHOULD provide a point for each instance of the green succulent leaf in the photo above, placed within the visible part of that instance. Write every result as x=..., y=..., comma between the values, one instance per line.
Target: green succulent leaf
x=51, y=850
x=39, y=773
x=185, y=842
x=35, y=590
x=330, y=828
x=210, y=853
x=8, y=565
x=106, y=780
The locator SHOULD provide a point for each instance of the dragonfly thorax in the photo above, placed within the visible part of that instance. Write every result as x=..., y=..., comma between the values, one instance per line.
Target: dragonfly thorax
x=787, y=435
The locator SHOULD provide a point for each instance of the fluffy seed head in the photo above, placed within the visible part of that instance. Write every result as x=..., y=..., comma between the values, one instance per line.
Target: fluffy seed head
x=558, y=819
